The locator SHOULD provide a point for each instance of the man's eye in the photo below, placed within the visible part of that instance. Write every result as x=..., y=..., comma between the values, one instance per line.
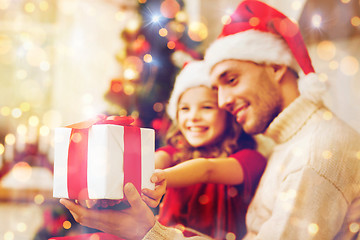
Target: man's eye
x=231, y=80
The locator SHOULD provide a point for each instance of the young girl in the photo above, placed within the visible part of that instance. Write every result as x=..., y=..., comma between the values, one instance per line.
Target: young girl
x=211, y=167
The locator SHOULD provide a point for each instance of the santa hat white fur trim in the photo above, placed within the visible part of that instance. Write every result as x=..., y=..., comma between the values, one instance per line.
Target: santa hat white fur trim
x=251, y=45
x=194, y=74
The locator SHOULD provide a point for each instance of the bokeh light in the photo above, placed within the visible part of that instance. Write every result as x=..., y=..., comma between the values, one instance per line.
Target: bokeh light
x=163, y=32
x=169, y=8
x=197, y=31
x=355, y=21
x=39, y=199
x=148, y=58
x=349, y=66
x=16, y=112
x=22, y=171
x=171, y=45
x=313, y=228
x=225, y=19
x=33, y=121
x=316, y=20
x=326, y=50
x=10, y=139
x=66, y=224
x=354, y=227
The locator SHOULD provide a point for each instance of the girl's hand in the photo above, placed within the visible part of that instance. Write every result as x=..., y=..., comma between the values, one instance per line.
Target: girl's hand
x=152, y=197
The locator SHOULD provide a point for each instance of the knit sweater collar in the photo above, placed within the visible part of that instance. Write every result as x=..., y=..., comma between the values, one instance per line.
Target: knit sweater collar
x=291, y=119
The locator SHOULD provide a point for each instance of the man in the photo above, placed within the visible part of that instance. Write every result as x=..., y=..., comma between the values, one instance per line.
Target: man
x=312, y=178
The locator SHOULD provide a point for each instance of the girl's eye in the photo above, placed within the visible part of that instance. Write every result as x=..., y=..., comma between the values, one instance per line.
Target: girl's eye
x=208, y=107
x=183, y=108
x=231, y=80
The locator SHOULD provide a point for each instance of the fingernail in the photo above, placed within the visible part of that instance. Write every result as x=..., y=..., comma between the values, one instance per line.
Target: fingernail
x=154, y=179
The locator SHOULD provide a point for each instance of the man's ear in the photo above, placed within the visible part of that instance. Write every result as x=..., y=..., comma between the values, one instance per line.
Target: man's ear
x=278, y=71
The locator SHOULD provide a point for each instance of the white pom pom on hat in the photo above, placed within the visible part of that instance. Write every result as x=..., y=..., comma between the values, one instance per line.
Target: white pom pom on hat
x=260, y=33
x=193, y=74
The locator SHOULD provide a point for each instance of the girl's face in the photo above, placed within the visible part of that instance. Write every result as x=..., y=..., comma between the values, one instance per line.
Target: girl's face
x=200, y=119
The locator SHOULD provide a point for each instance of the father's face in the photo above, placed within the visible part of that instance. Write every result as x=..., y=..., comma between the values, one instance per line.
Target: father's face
x=248, y=91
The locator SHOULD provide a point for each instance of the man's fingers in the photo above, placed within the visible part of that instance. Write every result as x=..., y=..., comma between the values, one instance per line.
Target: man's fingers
x=149, y=201
x=132, y=195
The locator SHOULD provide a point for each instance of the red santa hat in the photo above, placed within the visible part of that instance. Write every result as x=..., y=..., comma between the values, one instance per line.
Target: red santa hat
x=193, y=74
x=260, y=33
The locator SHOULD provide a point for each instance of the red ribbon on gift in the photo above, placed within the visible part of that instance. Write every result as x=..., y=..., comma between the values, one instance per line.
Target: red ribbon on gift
x=78, y=149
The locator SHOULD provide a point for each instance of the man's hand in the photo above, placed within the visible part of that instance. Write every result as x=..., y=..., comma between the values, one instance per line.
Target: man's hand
x=153, y=197
x=131, y=223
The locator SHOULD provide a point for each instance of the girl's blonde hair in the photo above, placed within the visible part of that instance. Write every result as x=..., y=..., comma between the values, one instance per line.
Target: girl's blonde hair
x=232, y=140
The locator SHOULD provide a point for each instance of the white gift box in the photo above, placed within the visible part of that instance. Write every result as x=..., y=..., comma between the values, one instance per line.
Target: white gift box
x=109, y=162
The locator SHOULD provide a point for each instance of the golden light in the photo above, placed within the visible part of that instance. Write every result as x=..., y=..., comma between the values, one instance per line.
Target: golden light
x=142, y=1
x=135, y=114
x=181, y=16
x=355, y=21
x=16, y=112
x=345, y=1
x=171, y=45
x=25, y=106
x=349, y=65
x=10, y=139
x=22, y=171
x=169, y=8
x=94, y=236
x=5, y=111
x=358, y=155
x=354, y=227
x=326, y=50
x=5, y=44
x=76, y=137
x=44, y=131
x=230, y=236
x=129, y=89
x=226, y=19
x=29, y=7
x=197, y=31
x=327, y=115
x=43, y=5
x=323, y=77
x=163, y=32
x=21, y=129
x=39, y=199
x=254, y=21
x=147, y=58
x=133, y=24
x=130, y=74
x=316, y=20
x=21, y=227
x=33, y=121
x=333, y=65
x=122, y=112
x=66, y=224
x=313, y=228
x=9, y=235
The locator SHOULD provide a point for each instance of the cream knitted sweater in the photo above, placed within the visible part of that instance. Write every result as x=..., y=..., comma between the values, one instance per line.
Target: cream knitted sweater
x=310, y=181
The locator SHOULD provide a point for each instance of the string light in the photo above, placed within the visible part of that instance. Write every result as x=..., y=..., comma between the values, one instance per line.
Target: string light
x=316, y=20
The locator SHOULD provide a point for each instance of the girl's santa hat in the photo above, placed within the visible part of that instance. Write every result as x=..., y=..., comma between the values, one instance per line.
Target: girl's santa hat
x=261, y=34
x=193, y=74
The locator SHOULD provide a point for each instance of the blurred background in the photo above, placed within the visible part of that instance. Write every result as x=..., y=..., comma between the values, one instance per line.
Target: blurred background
x=65, y=61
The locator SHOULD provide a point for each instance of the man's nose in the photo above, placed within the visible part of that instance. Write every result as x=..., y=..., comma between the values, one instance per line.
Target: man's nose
x=225, y=100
